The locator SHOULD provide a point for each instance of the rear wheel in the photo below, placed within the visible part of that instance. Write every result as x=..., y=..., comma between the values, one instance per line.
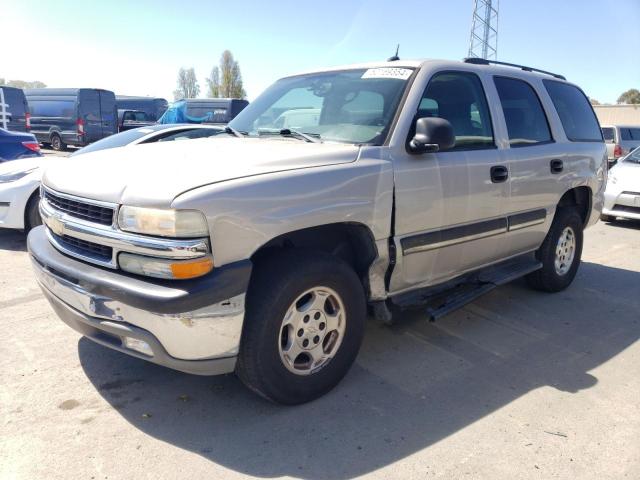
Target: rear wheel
x=57, y=144
x=560, y=252
x=32, y=216
x=303, y=328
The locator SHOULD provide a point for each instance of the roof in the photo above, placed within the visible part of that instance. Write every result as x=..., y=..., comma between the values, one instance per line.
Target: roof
x=416, y=63
x=619, y=115
x=57, y=91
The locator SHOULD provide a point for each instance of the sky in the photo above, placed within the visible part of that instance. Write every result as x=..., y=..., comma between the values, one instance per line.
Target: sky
x=137, y=47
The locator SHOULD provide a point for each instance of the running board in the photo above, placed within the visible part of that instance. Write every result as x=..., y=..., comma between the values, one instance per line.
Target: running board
x=477, y=286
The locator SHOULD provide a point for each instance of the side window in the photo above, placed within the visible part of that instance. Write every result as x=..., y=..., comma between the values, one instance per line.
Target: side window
x=526, y=121
x=576, y=114
x=459, y=98
x=52, y=108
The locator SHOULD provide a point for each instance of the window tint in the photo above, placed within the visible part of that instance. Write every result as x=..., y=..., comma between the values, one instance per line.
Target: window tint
x=190, y=134
x=90, y=106
x=526, y=121
x=211, y=113
x=576, y=114
x=630, y=133
x=459, y=98
x=609, y=134
x=52, y=108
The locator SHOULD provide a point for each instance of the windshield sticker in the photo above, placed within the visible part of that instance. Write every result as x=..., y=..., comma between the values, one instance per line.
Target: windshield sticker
x=386, y=72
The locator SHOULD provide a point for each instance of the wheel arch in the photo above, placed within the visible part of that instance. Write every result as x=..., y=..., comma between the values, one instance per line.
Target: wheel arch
x=579, y=198
x=31, y=198
x=352, y=242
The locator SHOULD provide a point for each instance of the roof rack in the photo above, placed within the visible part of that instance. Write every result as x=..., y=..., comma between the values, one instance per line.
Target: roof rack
x=483, y=61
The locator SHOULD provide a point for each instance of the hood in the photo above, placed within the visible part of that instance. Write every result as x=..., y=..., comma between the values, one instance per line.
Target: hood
x=22, y=164
x=627, y=175
x=154, y=174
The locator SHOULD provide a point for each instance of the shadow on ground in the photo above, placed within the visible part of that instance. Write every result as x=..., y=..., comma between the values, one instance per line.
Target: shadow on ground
x=413, y=385
x=13, y=240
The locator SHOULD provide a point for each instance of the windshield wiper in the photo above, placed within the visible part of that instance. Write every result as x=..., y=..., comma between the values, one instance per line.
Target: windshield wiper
x=287, y=132
x=234, y=132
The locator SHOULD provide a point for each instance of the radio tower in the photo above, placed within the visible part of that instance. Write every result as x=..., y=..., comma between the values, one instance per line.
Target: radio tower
x=484, y=30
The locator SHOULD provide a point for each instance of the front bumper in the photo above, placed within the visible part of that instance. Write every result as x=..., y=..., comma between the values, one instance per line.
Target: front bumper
x=193, y=326
x=621, y=203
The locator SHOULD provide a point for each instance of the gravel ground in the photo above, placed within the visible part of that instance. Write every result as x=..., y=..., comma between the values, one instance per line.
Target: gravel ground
x=518, y=384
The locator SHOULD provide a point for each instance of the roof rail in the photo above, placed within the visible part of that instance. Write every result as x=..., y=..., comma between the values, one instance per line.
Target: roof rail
x=484, y=61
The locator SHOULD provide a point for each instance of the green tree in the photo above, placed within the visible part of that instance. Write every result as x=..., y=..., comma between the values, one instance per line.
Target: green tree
x=630, y=96
x=22, y=83
x=187, y=84
x=594, y=101
x=225, y=80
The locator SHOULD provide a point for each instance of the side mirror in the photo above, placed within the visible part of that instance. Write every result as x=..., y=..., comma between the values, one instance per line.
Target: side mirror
x=432, y=135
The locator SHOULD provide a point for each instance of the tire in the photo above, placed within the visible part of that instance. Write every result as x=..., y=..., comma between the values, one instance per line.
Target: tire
x=607, y=218
x=277, y=284
x=57, y=144
x=32, y=216
x=552, y=277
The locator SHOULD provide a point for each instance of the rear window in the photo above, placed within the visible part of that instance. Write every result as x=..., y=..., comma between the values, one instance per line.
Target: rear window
x=211, y=113
x=609, y=134
x=52, y=108
x=114, y=141
x=576, y=114
x=526, y=121
x=630, y=133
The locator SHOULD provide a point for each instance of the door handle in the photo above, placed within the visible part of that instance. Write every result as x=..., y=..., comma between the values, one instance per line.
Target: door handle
x=499, y=174
x=557, y=166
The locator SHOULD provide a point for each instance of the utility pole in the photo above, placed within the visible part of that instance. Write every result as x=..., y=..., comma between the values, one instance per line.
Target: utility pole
x=484, y=30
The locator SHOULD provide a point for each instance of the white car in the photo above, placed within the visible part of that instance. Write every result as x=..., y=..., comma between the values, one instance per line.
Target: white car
x=20, y=179
x=19, y=182
x=622, y=196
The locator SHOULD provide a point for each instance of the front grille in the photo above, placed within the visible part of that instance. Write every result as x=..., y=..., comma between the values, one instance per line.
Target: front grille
x=85, y=211
x=626, y=208
x=84, y=248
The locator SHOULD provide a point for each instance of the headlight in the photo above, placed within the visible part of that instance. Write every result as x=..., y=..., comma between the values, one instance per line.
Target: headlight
x=164, y=268
x=14, y=176
x=165, y=223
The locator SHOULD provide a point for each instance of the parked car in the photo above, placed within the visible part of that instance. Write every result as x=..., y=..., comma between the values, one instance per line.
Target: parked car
x=16, y=145
x=151, y=134
x=420, y=183
x=620, y=140
x=622, y=196
x=14, y=114
x=129, y=119
x=153, y=107
x=19, y=182
x=203, y=110
x=71, y=116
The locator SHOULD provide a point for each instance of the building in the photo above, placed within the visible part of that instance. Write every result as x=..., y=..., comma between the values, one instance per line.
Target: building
x=618, y=114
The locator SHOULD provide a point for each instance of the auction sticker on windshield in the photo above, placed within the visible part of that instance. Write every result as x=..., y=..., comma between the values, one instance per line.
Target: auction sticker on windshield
x=387, y=72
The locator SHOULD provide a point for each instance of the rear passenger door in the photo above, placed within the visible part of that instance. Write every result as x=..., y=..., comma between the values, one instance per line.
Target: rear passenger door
x=536, y=162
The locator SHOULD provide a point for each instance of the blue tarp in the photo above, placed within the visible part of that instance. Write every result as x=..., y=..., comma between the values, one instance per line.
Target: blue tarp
x=177, y=113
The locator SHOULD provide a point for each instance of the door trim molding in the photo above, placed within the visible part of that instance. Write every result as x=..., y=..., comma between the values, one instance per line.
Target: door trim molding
x=423, y=242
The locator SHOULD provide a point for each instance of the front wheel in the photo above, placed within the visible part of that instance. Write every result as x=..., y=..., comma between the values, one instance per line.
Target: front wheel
x=32, y=213
x=560, y=252
x=303, y=327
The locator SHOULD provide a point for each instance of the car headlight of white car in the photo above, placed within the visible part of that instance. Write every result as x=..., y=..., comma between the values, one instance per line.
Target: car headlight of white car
x=163, y=222
x=16, y=175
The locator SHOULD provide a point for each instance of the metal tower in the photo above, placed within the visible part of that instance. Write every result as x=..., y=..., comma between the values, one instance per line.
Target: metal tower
x=484, y=30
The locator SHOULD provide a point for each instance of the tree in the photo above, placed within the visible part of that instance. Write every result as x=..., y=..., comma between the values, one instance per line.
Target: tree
x=187, y=84
x=630, y=96
x=225, y=80
x=22, y=83
x=594, y=101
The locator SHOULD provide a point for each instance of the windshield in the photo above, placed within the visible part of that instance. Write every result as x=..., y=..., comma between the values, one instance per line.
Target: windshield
x=118, y=140
x=352, y=106
x=633, y=157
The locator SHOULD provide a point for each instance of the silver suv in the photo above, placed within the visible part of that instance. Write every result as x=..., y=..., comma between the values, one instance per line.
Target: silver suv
x=366, y=187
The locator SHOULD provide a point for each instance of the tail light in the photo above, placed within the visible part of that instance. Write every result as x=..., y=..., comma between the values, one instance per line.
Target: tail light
x=27, y=121
x=617, y=151
x=33, y=146
x=80, y=126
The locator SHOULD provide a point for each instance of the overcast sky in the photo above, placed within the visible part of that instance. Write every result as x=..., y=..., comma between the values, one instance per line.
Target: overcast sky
x=136, y=48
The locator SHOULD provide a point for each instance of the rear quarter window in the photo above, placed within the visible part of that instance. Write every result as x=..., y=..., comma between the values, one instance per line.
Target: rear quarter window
x=609, y=134
x=576, y=114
